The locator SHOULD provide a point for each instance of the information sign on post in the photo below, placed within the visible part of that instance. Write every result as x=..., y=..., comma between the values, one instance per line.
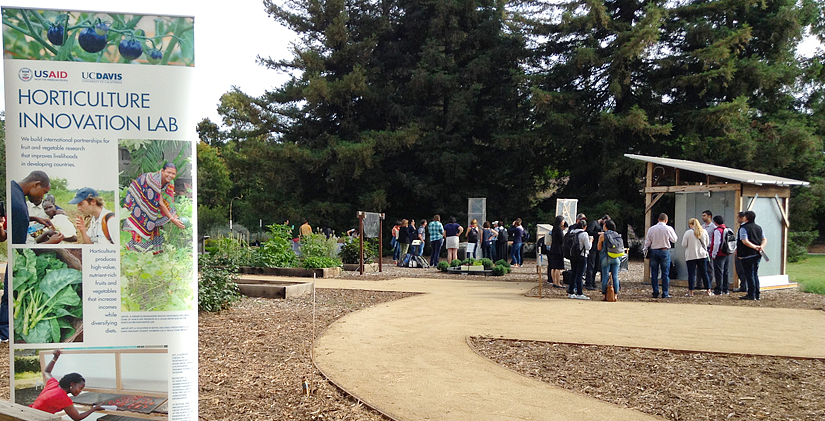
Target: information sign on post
x=101, y=207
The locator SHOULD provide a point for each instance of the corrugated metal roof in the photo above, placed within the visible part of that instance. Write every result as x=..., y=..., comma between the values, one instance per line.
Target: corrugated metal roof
x=722, y=172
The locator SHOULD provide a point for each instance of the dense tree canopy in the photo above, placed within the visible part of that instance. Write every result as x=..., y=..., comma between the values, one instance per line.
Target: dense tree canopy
x=411, y=106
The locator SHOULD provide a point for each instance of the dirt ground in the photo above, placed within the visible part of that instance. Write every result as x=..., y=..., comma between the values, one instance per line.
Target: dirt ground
x=254, y=357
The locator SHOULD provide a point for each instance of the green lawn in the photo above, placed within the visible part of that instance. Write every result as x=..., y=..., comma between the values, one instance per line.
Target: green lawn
x=810, y=273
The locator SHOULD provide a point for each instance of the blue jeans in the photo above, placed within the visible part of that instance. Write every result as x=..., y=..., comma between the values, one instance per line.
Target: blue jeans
x=577, y=267
x=610, y=265
x=721, y=271
x=660, y=260
x=396, y=252
x=489, y=250
x=436, y=245
x=751, y=273
x=420, y=248
x=515, y=254
x=702, y=264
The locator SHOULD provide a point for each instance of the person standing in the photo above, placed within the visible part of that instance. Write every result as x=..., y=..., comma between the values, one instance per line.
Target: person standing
x=501, y=240
x=658, y=242
x=452, y=231
x=422, y=236
x=305, y=229
x=555, y=257
x=709, y=226
x=436, y=231
x=578, y=261
x=404, y=238
x=610, y=263
x=396, y=251
x=472, y=239
x=515, y=252
x=750, y=245
x=488, y=236
x=594, y=230
x=696, y=241
x=721, y=260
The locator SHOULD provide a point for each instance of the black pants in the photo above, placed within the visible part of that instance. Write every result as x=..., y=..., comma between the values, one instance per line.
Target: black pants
x=593, y=266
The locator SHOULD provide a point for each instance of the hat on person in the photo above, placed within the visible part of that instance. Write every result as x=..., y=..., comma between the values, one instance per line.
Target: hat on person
x=580, y=217
x=83, y=194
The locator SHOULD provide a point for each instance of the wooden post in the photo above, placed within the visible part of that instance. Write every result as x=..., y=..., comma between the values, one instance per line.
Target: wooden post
x=648, y=209
x=380, y=241
x=361, y=241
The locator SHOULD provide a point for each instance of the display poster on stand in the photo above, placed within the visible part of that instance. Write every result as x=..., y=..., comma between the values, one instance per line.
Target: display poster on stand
x=100, y=210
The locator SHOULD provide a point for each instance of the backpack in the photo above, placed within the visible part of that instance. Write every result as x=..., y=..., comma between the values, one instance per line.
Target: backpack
x=728, y=245
x=614, y=243
x=502, y=236
x=571, y=248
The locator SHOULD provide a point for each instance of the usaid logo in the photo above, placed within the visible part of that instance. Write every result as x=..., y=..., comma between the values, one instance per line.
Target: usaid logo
x=25, y=74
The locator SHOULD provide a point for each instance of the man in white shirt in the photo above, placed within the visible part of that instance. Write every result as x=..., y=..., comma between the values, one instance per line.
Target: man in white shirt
x=708, y=226
x=658, y=242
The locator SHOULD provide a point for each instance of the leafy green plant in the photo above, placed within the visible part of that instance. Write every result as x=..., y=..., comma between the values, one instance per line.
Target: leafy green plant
x=157, y=282
x=217, y=289
x=276, y=252
x=351, y=250
x=47, y=297
x=487, y=263
x=455, y=263
x=468, y=261
x=442, y=266
x=502, y=262
x=499, y=270
x=317, y=251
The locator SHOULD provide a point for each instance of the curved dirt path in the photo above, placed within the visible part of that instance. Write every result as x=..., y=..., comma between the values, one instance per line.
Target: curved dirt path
x=410, y=359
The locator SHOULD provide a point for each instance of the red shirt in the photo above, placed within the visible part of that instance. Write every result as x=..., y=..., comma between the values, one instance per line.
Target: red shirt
x=52, y=399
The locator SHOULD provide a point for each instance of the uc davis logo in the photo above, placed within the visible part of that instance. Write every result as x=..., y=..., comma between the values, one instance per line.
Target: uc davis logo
x=25, y=74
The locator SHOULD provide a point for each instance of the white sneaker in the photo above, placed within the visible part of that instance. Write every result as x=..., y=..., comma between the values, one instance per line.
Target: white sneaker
x=582, y=297
x=572, y=296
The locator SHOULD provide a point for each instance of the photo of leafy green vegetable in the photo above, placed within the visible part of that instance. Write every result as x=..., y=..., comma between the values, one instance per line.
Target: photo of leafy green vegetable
x=31, y=34
x=48, y=304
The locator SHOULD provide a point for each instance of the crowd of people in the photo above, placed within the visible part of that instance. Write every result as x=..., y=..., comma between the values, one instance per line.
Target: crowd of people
x=708, y=244
x=710, y=250
x=490, y=240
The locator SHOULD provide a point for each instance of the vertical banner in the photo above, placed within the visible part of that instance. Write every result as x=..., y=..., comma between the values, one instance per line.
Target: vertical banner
x=101, y=280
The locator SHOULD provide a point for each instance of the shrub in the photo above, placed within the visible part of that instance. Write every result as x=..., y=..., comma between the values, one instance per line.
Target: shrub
x=315, y=262
x=468, y=261
x=217, y=289
x=503, y=262
x=455, y=263
x=442, y=266
x=318, y=251
x=276, y=252
x=499, y=270
x=487, y=263
x=351, y=250
x=798, y=243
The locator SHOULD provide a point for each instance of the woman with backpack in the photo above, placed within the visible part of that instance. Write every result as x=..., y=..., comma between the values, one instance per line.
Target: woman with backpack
x=555, y=259
x=611, y=250
x=696, y=241
x=472, y=239
x=488, y=237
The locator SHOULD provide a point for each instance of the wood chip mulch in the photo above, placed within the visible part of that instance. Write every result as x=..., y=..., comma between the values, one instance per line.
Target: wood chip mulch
x=673, y=384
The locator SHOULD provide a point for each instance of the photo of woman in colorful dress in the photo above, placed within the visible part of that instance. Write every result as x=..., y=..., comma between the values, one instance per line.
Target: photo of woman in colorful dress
x=150, y=201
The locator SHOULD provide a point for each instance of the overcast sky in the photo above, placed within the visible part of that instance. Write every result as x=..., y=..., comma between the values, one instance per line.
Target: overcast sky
x=228, y=38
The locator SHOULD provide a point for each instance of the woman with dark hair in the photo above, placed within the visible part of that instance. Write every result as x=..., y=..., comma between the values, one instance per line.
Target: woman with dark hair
x=515, y=252
x=55, y=395
x=451, y=232
x=150, y=201
x=488, y=236
x=555, y=257
x=610, y=263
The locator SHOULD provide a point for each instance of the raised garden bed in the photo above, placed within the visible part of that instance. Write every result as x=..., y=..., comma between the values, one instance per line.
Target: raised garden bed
x=470, y=270
x=272, y=289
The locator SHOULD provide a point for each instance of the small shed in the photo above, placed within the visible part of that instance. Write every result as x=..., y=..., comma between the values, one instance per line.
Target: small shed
x=724, y=191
